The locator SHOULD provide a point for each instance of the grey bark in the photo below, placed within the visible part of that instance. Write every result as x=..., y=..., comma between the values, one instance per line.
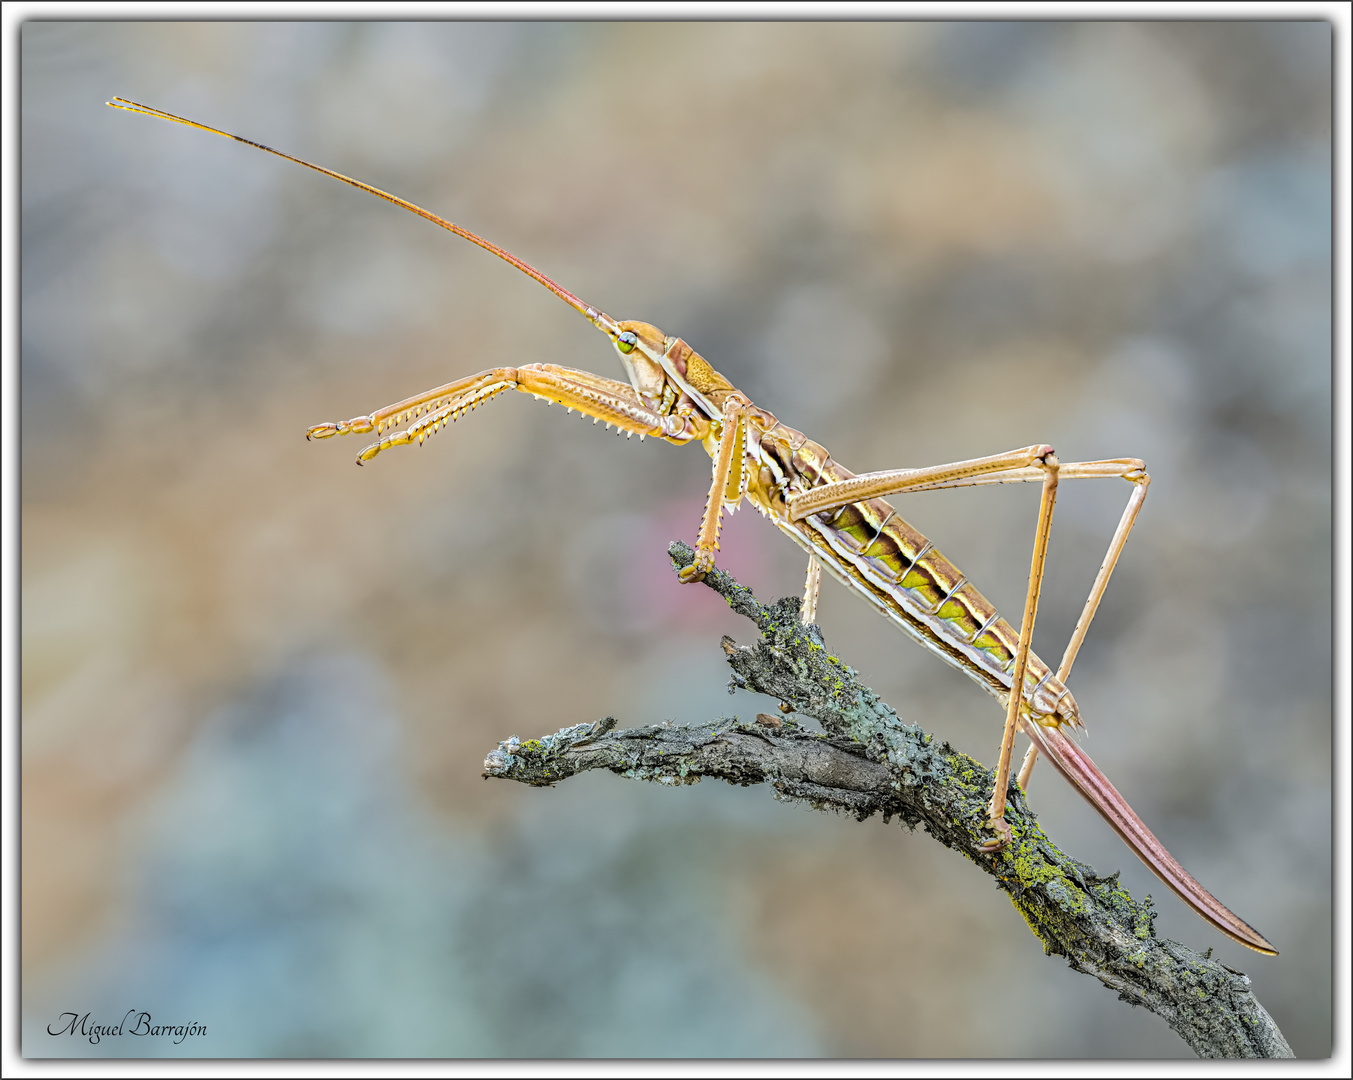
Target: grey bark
x=868, y=761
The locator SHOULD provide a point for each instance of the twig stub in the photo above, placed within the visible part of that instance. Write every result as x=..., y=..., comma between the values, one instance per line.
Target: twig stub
x=868, y=761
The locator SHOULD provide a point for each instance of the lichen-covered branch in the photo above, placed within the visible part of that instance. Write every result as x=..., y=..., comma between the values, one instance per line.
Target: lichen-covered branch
x=869, y=761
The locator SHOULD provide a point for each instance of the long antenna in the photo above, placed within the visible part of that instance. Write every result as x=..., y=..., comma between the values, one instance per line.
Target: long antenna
x=597, y=318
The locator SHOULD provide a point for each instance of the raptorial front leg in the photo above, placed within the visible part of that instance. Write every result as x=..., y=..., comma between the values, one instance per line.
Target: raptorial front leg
x=607, y=400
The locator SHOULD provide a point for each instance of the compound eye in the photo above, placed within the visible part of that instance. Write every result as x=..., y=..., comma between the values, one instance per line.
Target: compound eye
x=625, y=342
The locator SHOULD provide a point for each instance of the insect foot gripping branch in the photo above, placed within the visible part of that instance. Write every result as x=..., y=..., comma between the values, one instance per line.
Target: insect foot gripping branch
x=867, y=761
x=841, y=521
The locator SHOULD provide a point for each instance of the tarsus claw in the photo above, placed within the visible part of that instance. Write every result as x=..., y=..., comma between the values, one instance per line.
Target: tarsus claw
x=357, y=425
x=1003, y=837
x=704, y=563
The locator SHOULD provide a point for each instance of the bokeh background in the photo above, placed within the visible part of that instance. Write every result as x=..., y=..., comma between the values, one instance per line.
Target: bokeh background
x=259, y=683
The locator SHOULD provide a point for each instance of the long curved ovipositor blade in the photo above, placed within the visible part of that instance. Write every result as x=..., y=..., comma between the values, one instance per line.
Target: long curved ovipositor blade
x=1073, y=763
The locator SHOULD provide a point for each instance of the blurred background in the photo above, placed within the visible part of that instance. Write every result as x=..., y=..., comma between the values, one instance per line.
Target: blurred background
x=259, y=683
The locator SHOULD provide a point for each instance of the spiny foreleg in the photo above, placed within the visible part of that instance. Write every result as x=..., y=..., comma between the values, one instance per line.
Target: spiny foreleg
x=605, y=400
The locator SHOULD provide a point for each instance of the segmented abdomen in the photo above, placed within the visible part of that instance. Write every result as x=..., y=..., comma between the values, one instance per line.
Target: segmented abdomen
x=871, y=548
